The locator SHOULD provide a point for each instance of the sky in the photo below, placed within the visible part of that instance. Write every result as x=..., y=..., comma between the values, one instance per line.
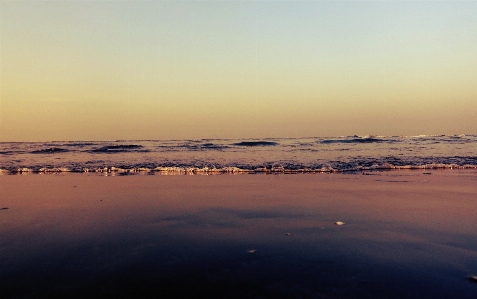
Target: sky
x=109, y=70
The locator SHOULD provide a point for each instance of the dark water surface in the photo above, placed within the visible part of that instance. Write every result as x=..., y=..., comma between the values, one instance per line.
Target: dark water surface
x=406, y=235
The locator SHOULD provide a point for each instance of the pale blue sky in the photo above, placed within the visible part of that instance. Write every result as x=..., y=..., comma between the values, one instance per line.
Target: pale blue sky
x=228, y=69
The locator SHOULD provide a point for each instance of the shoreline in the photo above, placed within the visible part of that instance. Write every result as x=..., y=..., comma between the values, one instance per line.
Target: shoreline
x=236, y=170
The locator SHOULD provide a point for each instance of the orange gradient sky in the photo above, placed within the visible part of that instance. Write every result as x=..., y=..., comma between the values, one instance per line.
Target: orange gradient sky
x=89, y=70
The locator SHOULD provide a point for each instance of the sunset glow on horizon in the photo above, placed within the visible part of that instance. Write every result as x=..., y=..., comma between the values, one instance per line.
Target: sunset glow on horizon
x=106, y=70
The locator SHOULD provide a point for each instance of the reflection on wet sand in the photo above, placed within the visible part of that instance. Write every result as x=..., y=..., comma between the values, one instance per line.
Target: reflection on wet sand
x=404, y=234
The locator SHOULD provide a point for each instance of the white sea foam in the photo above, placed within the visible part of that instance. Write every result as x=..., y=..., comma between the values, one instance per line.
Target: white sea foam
x=56, y=169
x=236, y=170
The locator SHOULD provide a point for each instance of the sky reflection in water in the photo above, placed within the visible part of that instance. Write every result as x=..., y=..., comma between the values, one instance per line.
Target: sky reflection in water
x=180, y=237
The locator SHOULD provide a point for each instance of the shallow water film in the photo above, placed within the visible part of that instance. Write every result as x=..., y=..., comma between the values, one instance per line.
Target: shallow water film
x=400, y=235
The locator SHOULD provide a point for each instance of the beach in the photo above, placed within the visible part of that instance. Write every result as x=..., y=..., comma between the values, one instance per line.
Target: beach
x=238, y=149
x=402, y=234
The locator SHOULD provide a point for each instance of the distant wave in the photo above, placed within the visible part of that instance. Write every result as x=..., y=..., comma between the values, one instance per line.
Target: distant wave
x=80, y=144
x=255, y=143
x=118, y=148
x=193, y=147
x=213, y=146
x=52, y=150
x=354, y=140
x=7, y=153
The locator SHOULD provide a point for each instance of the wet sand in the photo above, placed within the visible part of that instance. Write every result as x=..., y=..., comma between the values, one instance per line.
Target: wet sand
x=406, y=234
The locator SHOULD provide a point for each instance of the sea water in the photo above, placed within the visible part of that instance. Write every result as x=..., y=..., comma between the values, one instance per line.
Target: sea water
x=405, y=234
x=312, y=154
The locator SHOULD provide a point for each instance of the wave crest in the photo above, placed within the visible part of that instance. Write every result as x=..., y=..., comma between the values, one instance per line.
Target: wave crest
x=118, y=148
x=256, y=143
x=353, y=140
x=52, y=150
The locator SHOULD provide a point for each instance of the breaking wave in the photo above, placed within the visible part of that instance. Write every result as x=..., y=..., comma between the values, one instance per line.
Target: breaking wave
x=178, y=168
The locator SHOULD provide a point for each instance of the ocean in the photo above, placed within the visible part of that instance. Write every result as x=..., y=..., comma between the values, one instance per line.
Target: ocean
x=215, y=156
x=124, y=219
